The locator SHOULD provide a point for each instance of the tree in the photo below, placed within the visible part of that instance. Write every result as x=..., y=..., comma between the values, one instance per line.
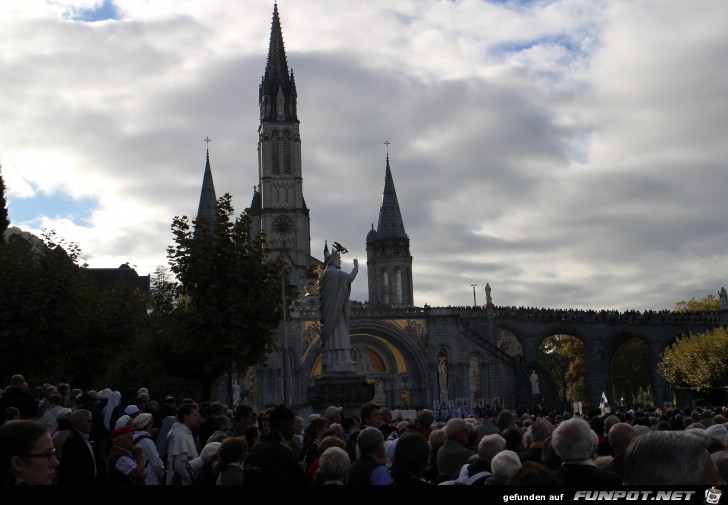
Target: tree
x=707, y=304
x=631, y=369
x=55, y=323
x=697, y=361
x=231, y=293
x=4, y=222
x=564, y=357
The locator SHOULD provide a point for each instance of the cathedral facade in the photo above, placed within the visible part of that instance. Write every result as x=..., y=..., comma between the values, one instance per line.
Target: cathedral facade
x=452, y=360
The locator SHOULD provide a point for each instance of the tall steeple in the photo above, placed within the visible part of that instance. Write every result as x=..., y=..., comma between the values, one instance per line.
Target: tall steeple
x=208, y=201
x=389, y=264
x=277, y=94
x=278, y=207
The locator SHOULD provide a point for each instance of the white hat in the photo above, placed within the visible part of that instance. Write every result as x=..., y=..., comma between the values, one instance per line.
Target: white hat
x=130, y=410
x=208, y=452
x=123, y=421
x=142, y=420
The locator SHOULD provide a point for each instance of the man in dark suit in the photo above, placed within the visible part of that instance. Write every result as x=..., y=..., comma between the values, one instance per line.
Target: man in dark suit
x=18, y=396
x=575, y=443
x=78, y=462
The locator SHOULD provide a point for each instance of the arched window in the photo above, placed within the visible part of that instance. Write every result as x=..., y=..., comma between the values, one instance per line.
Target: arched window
x=385, y=286
x=397, y=286
x=275, y=151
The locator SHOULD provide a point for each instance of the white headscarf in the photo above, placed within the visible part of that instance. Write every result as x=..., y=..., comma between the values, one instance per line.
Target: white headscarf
x=114, y=400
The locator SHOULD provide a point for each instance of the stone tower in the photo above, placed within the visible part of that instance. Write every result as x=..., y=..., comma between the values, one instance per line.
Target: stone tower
x=278, y=206
x=389, y=263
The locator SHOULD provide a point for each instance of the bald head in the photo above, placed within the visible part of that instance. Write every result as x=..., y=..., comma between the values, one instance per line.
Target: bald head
x=620, y=435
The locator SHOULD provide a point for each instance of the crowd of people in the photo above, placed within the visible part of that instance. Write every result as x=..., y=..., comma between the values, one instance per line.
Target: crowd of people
x=69, y=437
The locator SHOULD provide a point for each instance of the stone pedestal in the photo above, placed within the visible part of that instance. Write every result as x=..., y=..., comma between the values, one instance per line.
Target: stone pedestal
x=349, y=390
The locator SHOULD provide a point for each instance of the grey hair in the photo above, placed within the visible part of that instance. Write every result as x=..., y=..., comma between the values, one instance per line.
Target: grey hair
x=334, y=463
x=574, y=440
x=369, y=439
x=666, y=457
x=437, y=438
x=541, y=430
x=453, y=426
x=489, y=446
x=78, y=416
x=504, y=463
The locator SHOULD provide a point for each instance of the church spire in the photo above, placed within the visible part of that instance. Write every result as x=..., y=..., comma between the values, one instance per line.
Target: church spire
x=277, y=96
x=208, y=201
x=390, y=218
x=389, y=263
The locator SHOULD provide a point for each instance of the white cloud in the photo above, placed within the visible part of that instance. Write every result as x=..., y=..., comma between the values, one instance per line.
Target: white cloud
x=570, y=153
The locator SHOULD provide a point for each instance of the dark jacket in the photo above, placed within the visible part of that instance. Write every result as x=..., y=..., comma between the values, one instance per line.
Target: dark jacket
x=275, y=463
x=587, y=475
x=77, y=467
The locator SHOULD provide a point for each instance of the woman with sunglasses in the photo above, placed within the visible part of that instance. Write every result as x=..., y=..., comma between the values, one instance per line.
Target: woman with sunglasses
x=27, y=455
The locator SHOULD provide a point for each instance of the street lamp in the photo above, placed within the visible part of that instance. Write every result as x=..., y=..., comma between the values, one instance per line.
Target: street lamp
x=475, y=304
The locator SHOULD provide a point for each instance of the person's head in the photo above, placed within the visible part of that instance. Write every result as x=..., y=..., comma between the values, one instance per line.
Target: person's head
x=26, y=453
x=82, y=421
x=370, y=414
x=221, y=423
x=541, y=430
x=123, y=437
x=574, y=440
x=333, y=414
x=11, y=414
x=669, y=458
x=371, y=442
x=187, y=414
x=505, y=420
x=18, y=381
x=411, y=455
x=282, y=419
x=330, y=441
x=216, y=409
x=231, y=450
x=620, y=436
x=457, y=430
x=316, y=427
x=143, y=422
x=386, y=414
x=334, y=464
x=437, y=438
x=504, y=463
x=244, y=416
x=425, y=418
x=514, y=438
x=252, y=435
x=489, y=446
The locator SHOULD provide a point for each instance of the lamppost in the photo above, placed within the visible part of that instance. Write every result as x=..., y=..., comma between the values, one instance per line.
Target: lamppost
x=284, y=356
x=475, y=304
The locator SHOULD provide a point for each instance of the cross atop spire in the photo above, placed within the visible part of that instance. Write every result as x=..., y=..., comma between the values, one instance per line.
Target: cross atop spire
x=386, y=143
x=207, y=141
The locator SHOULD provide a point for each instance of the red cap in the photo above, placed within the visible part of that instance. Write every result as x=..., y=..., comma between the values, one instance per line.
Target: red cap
x=120, y=431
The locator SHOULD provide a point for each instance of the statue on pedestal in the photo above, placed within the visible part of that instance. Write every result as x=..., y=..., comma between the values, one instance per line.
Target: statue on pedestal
x=334, y=287
x=534, y=383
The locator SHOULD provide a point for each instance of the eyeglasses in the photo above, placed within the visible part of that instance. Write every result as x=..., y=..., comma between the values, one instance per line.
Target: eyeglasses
x=51, y=453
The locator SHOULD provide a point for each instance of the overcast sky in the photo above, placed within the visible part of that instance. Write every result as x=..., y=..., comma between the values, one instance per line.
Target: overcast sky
x=570, y=153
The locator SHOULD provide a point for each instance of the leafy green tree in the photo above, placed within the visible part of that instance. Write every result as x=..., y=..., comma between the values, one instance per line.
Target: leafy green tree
x=564, y=358
x=55, y=324
x=231, y=294
x=631, y=369
x=4, y=222
x=706, y=304
x=698, y=361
